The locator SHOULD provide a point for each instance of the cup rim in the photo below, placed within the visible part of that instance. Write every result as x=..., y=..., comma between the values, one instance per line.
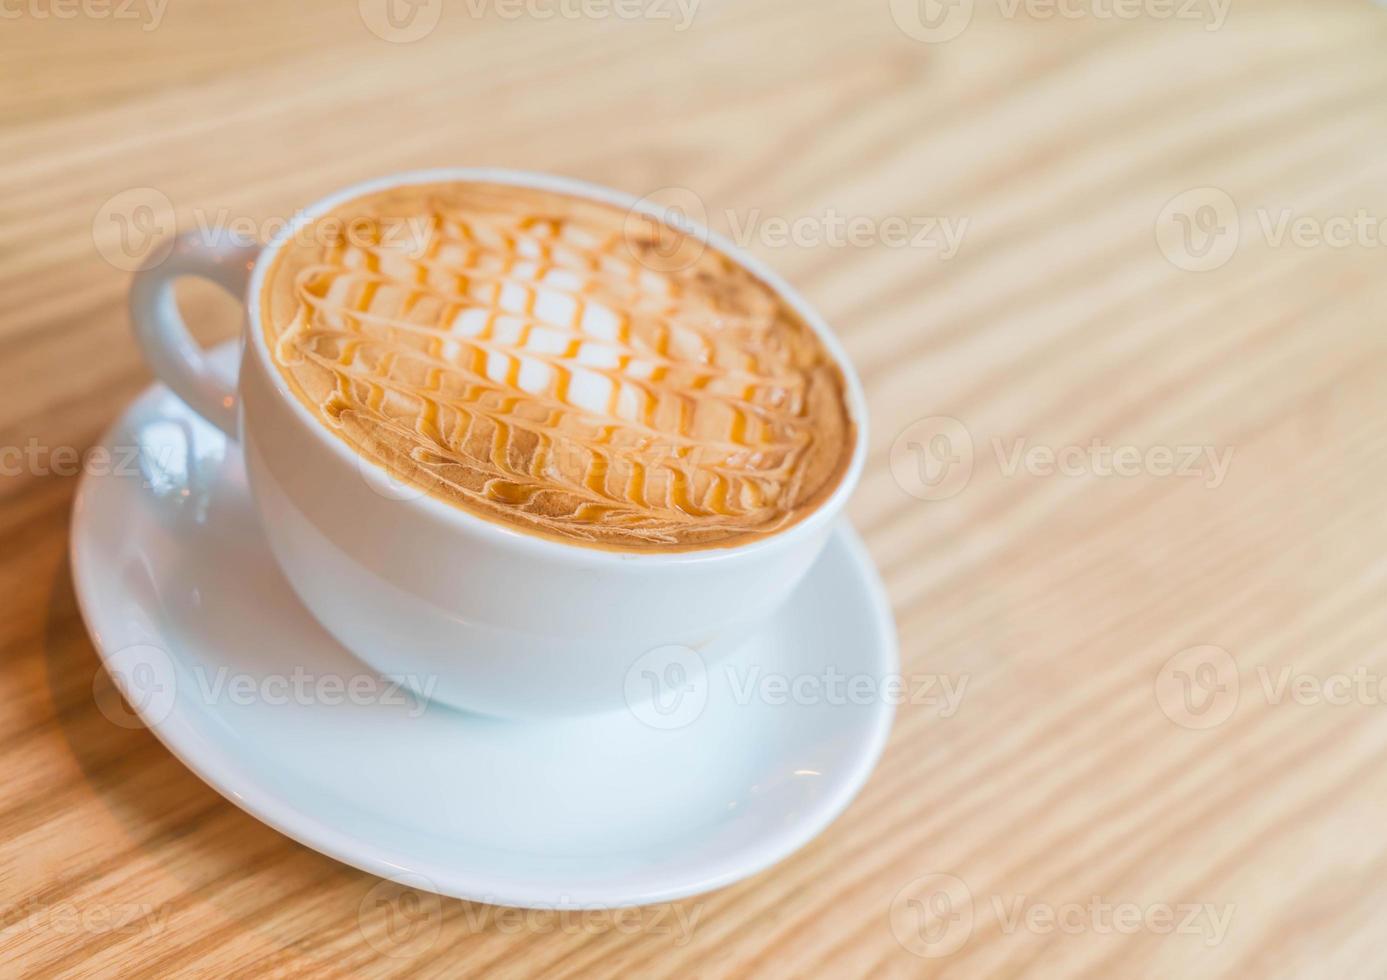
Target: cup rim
x=500, y=534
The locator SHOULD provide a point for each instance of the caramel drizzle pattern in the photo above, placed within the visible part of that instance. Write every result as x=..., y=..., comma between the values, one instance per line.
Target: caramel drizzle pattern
x=745, y=478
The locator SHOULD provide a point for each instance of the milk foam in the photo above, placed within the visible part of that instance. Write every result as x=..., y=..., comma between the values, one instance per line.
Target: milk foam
x=530, y=358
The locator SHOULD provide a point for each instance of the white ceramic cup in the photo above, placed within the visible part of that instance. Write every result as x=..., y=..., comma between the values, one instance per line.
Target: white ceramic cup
x=473, y=613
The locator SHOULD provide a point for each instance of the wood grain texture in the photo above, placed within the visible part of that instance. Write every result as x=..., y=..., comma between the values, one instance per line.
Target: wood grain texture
x=1067, y=780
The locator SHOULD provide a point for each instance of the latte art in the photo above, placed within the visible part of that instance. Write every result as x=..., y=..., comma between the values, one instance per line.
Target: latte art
x=553, y=364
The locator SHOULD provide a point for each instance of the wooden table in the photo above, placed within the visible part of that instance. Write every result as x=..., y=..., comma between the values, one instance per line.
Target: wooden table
x=1116, y=286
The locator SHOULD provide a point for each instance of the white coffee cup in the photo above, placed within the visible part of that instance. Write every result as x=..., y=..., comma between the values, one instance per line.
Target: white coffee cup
x=482, y=616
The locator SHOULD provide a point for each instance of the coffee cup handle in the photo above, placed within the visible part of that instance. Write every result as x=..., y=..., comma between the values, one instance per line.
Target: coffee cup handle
x=172, y=353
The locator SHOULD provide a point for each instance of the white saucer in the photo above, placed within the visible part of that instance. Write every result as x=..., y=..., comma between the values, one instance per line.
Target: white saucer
x=194, y=620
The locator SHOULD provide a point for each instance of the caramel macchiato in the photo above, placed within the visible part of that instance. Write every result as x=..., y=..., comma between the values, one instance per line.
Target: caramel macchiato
x=559, y=366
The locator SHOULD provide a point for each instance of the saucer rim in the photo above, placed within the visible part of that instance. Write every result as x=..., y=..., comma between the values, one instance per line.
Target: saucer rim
x=230, y=778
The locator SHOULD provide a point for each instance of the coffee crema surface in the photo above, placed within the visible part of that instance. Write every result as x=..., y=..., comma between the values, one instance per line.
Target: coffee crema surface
x=559, y=365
